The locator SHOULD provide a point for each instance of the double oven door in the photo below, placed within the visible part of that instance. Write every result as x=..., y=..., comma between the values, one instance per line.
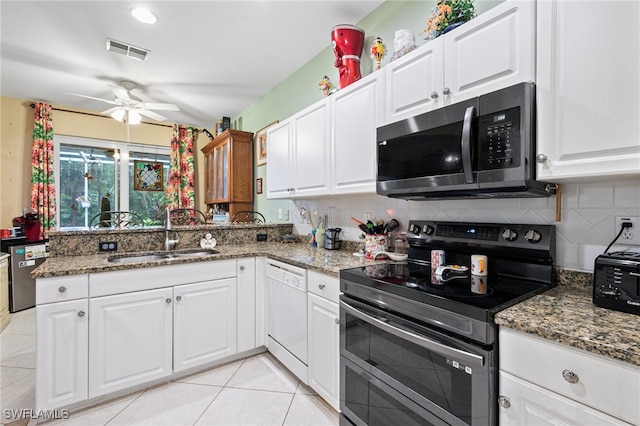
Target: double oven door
x=397, y=371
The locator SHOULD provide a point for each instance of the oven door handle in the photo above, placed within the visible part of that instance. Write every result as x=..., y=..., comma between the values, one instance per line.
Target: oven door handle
x=465, y=143
x=429, y=344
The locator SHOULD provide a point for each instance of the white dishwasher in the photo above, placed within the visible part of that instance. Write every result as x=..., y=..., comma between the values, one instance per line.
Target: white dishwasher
x=287, y=316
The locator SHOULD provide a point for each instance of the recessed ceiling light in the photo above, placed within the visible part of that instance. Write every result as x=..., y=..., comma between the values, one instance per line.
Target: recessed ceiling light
x=144, y=16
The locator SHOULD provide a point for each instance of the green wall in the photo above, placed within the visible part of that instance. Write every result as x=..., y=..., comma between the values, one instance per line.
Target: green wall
x=300, y=89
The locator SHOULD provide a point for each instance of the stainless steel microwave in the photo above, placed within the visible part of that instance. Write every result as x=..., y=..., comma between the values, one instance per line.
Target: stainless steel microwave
x=479, y=148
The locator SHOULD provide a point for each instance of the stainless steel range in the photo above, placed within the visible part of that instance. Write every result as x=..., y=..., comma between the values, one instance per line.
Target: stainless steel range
x=418, y=344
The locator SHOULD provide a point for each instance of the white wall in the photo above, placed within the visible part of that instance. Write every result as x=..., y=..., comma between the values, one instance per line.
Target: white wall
x=587, y=224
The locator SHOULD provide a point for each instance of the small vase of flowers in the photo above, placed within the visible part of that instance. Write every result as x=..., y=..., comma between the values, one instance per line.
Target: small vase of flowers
x=325, y=85
x=378, y=51
x=448, y=14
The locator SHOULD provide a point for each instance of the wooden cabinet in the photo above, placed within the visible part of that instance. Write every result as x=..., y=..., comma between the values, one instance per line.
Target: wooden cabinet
x=130, y=340
x=356, y=112
x=229, y=170
x=541, y=379
x=587, y=90
x=324, y=337
x=62, y=353
x=491, y=52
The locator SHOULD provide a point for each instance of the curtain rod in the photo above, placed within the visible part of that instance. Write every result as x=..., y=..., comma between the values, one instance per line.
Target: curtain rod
x=32, y=105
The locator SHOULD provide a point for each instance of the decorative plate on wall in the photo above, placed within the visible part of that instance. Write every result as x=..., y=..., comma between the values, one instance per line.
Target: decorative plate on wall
x=148, y=176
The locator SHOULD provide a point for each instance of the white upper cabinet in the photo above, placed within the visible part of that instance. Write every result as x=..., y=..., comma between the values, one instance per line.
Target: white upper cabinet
x=279, y=177
x=356, y=112
x=493, y=51
x=588, y=86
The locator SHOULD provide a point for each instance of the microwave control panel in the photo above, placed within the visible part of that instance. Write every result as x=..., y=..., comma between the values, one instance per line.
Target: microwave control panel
x=499, y=141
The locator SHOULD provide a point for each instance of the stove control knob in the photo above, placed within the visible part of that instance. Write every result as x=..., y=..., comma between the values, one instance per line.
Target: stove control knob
x=427, y=229
x=509, y=234
x=414, y=229
x=532, y=236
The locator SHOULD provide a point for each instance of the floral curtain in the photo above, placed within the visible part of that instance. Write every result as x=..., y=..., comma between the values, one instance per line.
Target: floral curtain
x=180, y=191
x=43, y=191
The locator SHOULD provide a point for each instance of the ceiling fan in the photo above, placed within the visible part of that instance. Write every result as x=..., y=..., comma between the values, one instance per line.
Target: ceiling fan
x=130, y=108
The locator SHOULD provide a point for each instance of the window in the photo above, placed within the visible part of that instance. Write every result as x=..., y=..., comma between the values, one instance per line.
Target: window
x=96, y=175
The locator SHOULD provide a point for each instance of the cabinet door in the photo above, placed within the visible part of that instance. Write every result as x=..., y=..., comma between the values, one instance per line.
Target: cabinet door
x=415, y=81
x=130, y=340
x=311, y=132
x=246, y=304
x=324, y=351
x=222, y=159
x=356, y=112
x=279, y=178
x=204, y=323
x=588, y=80
x=261, y=307
x=62, y=355
x=491, y=52
x=523, y=403
x=210, y=178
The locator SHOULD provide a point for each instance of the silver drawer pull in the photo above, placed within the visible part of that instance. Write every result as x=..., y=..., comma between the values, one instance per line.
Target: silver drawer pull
x=62, y=289
x=570, y=376
x=81, y=314
x=321, y=286
x=242, y=268
x=178, y=298
x=504, y=402
x=168, y=300
x=337, y=321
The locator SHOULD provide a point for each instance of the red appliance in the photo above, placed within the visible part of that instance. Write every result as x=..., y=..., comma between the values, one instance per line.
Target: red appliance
x=348, y=41
x=30, y=225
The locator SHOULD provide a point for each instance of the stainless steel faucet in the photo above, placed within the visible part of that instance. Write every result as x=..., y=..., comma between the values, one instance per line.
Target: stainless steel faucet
x=169, y=244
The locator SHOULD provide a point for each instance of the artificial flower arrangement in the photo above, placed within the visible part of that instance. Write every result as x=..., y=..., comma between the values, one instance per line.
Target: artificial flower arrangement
x=447, y=13
x=378, y=51
x=325, y=85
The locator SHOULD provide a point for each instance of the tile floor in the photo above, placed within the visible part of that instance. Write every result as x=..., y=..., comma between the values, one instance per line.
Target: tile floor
x=254, y=391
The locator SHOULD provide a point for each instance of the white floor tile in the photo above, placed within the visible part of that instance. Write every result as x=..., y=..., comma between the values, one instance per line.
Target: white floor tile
x=98, y=415
x=9, y=375
x=23, y=322
x=304, y=389
x=311, y=411
x=218, y=376
x=19, y=395
x=263, y=372
x=23, y=359
x=171, y=404
x=247, y=407
x=12, y=343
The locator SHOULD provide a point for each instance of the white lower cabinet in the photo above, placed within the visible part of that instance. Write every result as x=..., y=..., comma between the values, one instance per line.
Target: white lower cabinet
x=204, y=323
x=62, y=353
x=130, y=340
x=324, y=337
x=546, y=383
x=246, y=314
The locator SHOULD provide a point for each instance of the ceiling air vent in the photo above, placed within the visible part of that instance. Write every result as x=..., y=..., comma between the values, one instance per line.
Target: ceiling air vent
x=127, y=50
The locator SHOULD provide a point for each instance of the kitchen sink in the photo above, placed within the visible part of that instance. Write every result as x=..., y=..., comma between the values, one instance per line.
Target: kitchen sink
x=150, y=257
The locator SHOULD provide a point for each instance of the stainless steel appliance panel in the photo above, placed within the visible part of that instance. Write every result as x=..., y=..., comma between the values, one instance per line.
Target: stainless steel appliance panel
x=22, y=288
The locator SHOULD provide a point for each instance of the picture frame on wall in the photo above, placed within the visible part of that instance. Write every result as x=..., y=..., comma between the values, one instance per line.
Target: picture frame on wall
x=259, y=186
x=261, y=144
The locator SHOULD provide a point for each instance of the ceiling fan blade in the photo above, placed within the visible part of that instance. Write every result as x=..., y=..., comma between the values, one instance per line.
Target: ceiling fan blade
x=94, y=98
x=151, y=114
x=110, y=110
x=120, y=92
x=161, y=106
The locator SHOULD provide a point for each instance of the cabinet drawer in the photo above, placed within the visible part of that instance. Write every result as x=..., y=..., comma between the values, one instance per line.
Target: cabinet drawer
x=60, y=289
x=606, y=385
x=324, y=286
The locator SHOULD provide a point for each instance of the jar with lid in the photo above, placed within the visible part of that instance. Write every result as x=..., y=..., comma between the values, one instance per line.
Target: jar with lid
x=400, y=244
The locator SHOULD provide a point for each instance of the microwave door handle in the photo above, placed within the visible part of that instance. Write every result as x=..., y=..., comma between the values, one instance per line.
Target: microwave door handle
x=422, y=341
x=465, y=143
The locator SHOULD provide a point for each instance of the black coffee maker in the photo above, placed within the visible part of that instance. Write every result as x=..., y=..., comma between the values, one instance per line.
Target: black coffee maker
x=332, y=239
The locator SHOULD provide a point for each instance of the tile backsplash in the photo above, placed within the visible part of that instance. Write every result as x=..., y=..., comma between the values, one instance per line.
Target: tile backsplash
x=586, y=227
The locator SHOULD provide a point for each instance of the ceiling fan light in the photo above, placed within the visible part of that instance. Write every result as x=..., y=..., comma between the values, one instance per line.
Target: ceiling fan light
x=118, y=114
x=144, y=16
x=134, y=117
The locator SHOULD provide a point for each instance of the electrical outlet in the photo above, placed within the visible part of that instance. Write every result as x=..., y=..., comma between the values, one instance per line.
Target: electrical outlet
x=261, y=237
x=107, y=246
x=629, y=236
x=279, y=213
x=285, y=214
x=368, y=216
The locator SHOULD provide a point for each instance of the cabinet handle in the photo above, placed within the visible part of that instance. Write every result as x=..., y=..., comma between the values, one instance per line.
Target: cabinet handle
x=168, y=300
x=178, y=298
x=337, y=320
x=504, y=401
x=81, y=314
x=570, y=376
x=434, y=95
x=242, y=268
x=446, y=91
x=62, y=289
x=541, y=158
x=321, y=286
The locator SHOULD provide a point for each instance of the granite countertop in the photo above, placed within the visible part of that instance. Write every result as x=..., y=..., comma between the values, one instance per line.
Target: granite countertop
x=566, y=315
